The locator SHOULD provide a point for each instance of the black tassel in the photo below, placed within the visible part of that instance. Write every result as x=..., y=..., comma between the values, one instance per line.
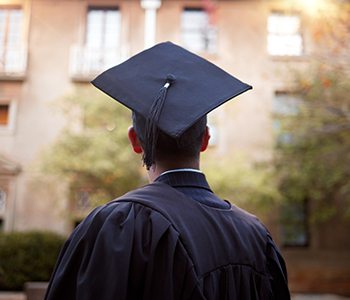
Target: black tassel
x=149, y=156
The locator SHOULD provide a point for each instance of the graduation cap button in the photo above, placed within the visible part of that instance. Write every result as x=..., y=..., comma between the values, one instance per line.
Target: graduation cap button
x=170, y=77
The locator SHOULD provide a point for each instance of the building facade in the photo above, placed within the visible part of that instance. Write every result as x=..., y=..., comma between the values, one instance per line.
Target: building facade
x=49, y=46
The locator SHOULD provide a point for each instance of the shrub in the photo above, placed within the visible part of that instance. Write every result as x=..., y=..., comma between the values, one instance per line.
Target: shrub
x=27, y=256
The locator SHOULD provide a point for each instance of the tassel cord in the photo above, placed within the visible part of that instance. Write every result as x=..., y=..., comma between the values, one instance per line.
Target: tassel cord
x=152, y=126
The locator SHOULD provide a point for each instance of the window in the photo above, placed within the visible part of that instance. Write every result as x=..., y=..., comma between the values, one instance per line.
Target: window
x=198, y=35
x=103, y=28
x=2, y=200
x=101, y=48
x=294, y=215
x=4, y=114
x=212, y=121
x=82, y=200
x=11, y=51
x=284, y=104
x=284, y=36
x=2, y=207
x=294, y=224
x=8, y=111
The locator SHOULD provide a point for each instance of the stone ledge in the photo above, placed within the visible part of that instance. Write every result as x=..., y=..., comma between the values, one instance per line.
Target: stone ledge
x=12, y=296
x=35, y=290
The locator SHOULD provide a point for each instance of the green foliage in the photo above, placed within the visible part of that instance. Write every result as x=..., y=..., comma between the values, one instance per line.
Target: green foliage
x=315, y=164
x=27, y=256
x=92, y=152
x=247, y=185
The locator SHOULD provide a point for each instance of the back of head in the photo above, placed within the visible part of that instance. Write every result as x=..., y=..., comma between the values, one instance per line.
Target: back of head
x=186, y=146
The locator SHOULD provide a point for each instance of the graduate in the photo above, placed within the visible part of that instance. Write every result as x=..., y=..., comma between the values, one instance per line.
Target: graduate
x=173, y=238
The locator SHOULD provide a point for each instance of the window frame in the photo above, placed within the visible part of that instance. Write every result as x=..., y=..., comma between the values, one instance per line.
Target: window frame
x=10, y=127
x=5, y=187
x=14, y=55
x=2, y=207
x=279, y=110
x=104, y=9
x=87, y=60
x=299, y=33
x=296, y=233
x=295, y=230
x=211, y=47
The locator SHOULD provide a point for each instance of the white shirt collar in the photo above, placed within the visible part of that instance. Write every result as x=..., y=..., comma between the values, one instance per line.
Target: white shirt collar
x=181, y=170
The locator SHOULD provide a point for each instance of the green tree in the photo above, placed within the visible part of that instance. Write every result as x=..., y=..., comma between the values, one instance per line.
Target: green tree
x=246, y=184
x=92, y=155
x=314, y=164
x=329, y=25
x=27, y=256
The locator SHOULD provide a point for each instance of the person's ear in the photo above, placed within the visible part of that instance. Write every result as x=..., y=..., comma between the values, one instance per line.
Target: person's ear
x=206, y=138
x=134, y=141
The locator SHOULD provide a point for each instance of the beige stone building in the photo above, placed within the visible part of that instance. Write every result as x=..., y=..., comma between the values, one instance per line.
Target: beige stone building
x=47, y=46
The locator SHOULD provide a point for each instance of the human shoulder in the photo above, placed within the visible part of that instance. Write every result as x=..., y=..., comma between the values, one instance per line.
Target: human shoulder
x=248, y=219
x=125, y=234
x=120, y=222
x=134, y=204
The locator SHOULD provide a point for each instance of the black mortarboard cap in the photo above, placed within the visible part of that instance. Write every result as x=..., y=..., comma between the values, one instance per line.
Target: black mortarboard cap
x=170, y=89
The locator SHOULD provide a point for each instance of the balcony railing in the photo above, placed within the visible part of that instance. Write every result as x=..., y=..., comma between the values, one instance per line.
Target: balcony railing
x=87, y=62
x=13, y=60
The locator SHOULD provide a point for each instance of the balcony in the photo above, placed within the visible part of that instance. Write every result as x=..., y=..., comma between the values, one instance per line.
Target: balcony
x=13, y=62
x=87, y=62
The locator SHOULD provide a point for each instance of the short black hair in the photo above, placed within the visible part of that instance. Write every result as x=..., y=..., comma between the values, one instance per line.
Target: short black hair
x=168, y=148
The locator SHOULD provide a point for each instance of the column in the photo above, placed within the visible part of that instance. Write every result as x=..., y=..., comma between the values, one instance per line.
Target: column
x=150, y=7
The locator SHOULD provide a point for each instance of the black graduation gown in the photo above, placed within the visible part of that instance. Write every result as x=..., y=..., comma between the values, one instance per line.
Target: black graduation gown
x=157, y=243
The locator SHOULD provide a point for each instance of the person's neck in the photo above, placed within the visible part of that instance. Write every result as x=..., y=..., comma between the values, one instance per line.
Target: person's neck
x=161, y=167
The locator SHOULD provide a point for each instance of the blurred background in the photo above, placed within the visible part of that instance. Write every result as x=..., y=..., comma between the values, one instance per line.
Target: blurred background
x=281, y=151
